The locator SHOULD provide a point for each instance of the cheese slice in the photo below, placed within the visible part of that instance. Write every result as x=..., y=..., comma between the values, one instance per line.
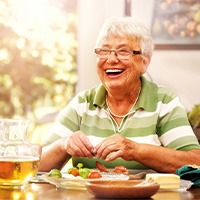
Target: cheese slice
x=166, y=181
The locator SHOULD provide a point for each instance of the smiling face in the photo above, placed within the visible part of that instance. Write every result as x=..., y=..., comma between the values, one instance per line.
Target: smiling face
x=121, y=75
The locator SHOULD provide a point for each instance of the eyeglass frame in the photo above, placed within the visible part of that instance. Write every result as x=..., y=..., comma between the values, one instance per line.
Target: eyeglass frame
x=109, y=51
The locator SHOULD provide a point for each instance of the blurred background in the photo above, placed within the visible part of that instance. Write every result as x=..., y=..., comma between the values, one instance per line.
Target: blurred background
x=47, y=52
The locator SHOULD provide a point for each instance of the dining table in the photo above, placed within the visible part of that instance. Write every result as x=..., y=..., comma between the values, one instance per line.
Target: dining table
x=46, y=191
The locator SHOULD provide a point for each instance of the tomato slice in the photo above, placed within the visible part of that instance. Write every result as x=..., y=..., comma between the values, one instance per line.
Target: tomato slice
x=120, y=169
x=94, y=175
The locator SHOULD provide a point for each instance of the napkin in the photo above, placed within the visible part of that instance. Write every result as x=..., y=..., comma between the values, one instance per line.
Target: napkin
x=191, y=173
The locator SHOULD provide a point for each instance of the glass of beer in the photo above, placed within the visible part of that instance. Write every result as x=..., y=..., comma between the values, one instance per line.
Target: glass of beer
x=19, y=159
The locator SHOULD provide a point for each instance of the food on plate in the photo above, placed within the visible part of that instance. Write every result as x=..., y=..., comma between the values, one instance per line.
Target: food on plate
x=94, y=175
x=101, y=167
x=120, y=169
x=117, y=169
x=86, y=173
x=79, y=170
x=166, y=181
x=74, y=171
x=55, y=173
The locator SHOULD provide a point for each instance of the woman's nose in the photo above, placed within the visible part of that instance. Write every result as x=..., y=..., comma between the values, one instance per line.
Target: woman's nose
x=112, y=58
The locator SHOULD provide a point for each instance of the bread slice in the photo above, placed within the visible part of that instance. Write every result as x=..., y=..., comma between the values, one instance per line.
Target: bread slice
x=166, y=181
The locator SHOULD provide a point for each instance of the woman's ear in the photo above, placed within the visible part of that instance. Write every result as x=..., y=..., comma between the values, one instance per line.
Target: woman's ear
x=145, y=62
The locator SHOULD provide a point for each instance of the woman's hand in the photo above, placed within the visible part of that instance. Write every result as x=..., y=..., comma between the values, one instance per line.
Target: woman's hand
x=78, y=145
x=114, y=147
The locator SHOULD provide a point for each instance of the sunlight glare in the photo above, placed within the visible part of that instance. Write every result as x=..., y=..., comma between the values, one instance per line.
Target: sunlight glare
x=35, y=15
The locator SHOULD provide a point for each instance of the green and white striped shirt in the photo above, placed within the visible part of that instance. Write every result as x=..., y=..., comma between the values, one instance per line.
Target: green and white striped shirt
x=158, y=118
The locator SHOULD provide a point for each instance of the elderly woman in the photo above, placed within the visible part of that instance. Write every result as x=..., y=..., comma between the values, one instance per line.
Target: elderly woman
x=127, y=120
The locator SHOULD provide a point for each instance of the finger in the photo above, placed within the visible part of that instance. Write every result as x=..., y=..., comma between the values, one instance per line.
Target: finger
x=86, y=146
x=83, y=147
x=96, y=148
x=79, y=151
x=86, y=142
x=114, y=155
x=75, y=151
x=106, y=149
x=79, y=146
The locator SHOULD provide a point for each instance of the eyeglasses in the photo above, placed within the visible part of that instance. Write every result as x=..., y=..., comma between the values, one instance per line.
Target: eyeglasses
x=121, y=53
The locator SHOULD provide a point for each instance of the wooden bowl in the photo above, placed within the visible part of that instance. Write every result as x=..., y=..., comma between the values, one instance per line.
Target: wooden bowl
x=122, y=188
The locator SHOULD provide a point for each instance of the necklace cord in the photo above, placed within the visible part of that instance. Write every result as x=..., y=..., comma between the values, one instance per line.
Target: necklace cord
x=122, y=116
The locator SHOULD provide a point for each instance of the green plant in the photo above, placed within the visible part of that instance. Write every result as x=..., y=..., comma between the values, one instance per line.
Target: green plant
x=194, y=116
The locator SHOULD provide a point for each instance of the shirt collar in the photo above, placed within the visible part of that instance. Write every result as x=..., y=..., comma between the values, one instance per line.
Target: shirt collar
x=147, y=100
x=148, y=96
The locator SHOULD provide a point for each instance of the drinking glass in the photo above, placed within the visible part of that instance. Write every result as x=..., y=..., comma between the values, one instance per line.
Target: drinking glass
x=19, y=159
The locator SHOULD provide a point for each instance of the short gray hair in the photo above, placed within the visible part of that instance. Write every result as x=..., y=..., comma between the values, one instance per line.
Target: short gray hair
x=130, y=28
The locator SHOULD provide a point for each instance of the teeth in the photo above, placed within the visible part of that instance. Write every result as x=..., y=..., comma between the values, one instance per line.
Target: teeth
x=113, y=70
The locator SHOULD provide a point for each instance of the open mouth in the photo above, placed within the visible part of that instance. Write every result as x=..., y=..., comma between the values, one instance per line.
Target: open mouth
x=114, y=71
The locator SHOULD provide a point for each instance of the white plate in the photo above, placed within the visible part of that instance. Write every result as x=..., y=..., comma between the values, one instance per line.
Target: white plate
x=69, y=181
